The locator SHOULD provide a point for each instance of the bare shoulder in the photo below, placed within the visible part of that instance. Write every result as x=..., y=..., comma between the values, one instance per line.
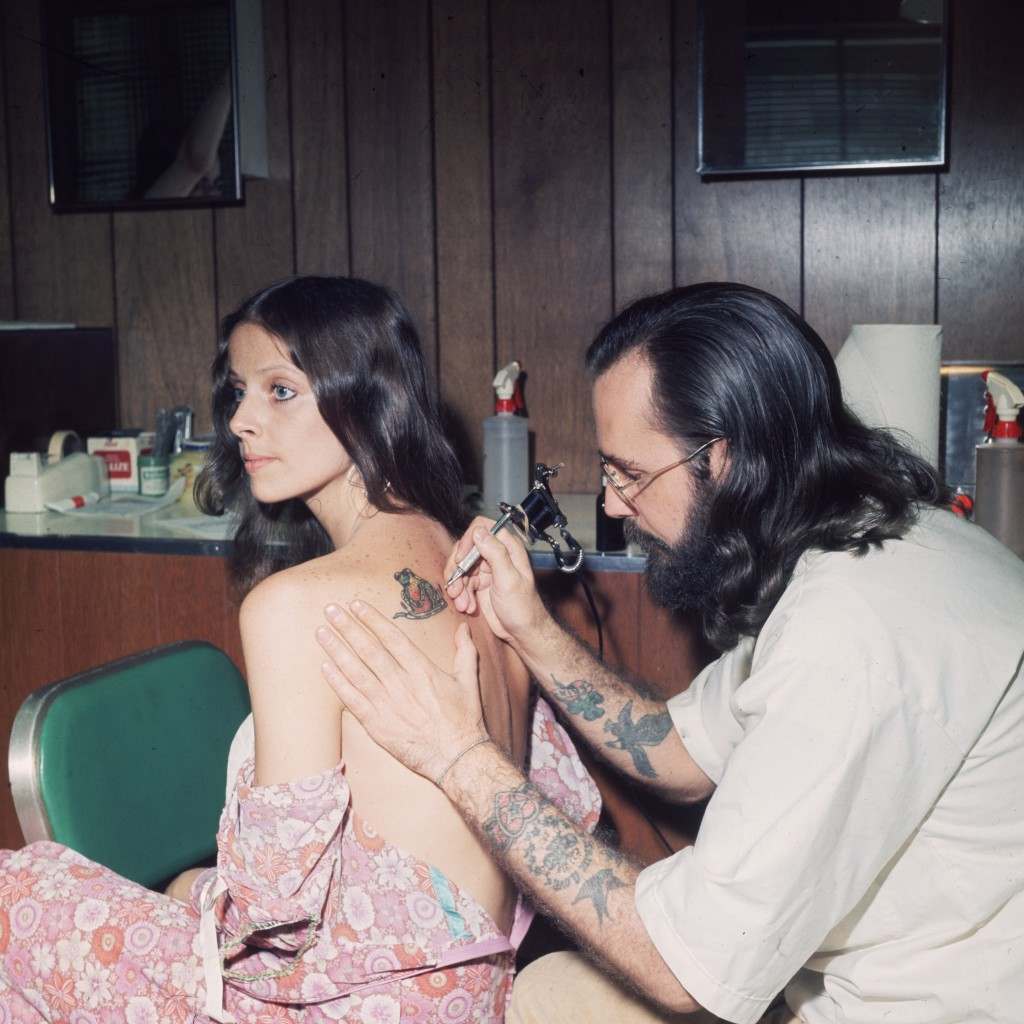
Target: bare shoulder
x=402, y=580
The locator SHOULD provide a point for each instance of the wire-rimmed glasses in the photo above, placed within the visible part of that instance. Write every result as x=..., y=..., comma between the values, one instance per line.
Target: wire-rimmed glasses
x=630, y=488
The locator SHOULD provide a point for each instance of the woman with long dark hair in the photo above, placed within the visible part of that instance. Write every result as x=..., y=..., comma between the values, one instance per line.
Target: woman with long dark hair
x=344, y=889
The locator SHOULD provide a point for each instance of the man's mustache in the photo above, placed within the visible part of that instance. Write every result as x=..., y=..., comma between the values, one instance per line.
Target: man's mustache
x=645, y=541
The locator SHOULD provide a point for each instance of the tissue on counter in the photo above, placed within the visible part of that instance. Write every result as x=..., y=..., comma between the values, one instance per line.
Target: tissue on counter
x=890, y=378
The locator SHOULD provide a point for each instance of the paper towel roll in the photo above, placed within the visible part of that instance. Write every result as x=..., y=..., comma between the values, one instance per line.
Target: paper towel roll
x=890, y=378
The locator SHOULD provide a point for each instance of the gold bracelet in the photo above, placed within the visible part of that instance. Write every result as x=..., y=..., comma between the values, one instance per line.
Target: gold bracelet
x=461, y=754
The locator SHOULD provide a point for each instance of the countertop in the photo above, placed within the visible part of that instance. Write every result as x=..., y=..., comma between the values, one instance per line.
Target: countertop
x=177, y=531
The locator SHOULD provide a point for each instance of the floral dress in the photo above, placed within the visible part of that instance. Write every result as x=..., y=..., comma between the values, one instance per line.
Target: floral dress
x=309, y=916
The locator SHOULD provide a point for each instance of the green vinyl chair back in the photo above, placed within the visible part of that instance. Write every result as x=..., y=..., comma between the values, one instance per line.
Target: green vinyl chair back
x=125, y=763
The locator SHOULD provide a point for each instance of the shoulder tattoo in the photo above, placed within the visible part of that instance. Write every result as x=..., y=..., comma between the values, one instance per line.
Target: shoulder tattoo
x=420, y=598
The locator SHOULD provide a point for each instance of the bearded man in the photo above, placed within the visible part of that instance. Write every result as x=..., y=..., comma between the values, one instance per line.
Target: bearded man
x=860, y=737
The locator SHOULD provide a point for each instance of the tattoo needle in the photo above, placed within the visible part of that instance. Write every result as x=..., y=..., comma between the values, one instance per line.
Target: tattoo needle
x=467, y=563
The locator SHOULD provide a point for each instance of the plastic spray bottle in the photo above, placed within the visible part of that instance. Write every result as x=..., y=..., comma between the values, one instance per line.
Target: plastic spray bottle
x=999, y=465
x=506, y=443
x=1003, y=402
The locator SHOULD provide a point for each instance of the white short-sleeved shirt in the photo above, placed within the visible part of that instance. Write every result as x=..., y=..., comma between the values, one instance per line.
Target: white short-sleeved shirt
x=864, y=847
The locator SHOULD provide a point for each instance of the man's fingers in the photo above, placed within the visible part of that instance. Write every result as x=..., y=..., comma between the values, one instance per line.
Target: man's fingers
x=349, y=696
x=385, y=637
x=465, y=544
x=496, y=551
x=365, y=646
x=350, y=664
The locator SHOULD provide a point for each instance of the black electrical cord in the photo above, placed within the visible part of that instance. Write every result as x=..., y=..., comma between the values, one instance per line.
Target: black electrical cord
x=594, y=613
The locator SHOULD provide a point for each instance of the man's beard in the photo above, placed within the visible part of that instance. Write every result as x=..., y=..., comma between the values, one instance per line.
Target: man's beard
x=681, y=576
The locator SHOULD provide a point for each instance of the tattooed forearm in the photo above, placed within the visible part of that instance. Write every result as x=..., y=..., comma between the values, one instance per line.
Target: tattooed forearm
x=513, y=810
x=596, y=889
x=553, y=850
x=420, y=598
x=579, y=698
x=632, y=737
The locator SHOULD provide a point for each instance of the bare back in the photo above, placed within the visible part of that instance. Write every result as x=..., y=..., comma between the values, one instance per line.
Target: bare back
x=395, y=562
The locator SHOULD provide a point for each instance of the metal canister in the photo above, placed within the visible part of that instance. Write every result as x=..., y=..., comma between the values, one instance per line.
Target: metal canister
x=999, y=493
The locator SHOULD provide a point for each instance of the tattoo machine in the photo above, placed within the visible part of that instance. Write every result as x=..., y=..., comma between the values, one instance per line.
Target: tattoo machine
x=534, y=515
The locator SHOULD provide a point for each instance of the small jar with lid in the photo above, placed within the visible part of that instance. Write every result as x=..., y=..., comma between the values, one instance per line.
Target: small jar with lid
x=154, y=475
x=188, y=463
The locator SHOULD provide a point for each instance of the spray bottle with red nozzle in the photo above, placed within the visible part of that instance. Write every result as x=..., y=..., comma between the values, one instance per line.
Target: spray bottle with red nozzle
x=999, y=465
x=506, y=442
x=1003, y=402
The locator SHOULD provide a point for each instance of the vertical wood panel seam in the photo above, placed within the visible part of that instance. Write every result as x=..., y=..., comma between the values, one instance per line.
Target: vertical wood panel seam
x=673, y=72
x=346, y=110
x=216, y=277
x=435, y=277
x=493, y=198
x=118, y=404
x=803, y=247
x=935, y=292
x=288, y=56
x=113, y=311
x=611, y=154
x=5, y=61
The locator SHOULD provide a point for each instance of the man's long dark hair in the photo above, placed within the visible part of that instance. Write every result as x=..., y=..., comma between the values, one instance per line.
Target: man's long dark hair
x=803, y=472
x=356, y=343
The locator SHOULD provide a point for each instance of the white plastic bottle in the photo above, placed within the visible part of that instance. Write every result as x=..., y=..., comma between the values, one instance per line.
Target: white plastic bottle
x=506, y=445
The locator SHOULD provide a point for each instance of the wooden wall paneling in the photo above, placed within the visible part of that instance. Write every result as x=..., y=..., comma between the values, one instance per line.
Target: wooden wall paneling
x=981, y=200
x=63, y=268
x=671, y=650
x=31, y=655
x=391, y=190
x=316, y=65
x=254, y=241
x=615, y=594
x=7, y=299
x=869, y=252
x=190, y=600
x=726, y=230
x=165, y=313
x=642, y=147
x=552, y=200
x=109, y=607
x=465, y=252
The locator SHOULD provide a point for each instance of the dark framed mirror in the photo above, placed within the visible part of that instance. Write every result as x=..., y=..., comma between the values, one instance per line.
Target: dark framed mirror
x=141, y=104
x=804, y=86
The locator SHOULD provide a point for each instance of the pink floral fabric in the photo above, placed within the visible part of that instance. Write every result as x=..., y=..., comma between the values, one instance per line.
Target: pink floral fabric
x=320, y=920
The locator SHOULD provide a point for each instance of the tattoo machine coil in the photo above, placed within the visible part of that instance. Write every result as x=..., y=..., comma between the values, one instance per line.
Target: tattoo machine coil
x=535, y=514
x=538, y=512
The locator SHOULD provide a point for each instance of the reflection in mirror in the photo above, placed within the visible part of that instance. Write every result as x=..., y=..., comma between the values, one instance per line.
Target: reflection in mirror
x=805, y=85
x=140, y=104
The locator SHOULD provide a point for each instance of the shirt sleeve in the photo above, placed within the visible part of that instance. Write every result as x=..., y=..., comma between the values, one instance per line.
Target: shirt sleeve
x=703, y=715
x=825, y=766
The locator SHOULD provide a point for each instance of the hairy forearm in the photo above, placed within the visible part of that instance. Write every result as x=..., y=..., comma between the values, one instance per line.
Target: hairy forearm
x=583, y=884
x=630, y=730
